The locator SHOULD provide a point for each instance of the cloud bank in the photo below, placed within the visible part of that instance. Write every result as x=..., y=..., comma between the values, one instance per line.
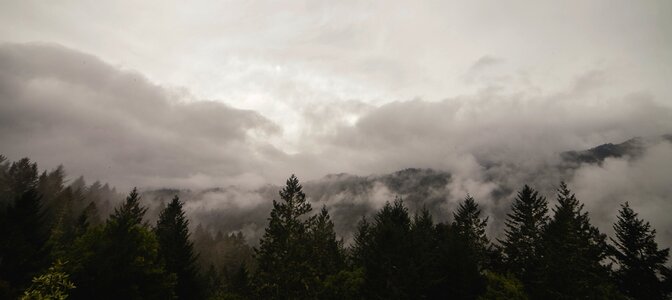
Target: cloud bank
x=63, y=106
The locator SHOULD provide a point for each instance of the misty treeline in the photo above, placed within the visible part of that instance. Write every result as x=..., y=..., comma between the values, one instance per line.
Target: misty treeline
x=58, y=240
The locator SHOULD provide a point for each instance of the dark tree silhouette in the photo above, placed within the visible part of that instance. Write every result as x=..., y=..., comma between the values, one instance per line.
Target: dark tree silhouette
x=573, y=253
x=522, y=242
x=120, y=259
x=177, y=251
x=44, y=222
x=470, y=227
x=641, y=272
x=283, y=257
x=23, y=235
x=386, y=253
x=326, y=251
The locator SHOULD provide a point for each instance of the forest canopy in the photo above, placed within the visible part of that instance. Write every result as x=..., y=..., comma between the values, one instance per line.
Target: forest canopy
x=62, y=239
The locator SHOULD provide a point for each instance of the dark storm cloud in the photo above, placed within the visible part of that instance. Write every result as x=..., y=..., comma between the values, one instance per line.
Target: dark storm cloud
x=63, y=106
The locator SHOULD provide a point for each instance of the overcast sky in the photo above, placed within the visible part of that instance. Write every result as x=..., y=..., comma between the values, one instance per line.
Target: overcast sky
x=198, y=94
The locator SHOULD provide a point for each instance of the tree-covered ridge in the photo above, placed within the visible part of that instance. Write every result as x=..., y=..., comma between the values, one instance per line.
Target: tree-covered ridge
x=56, y=244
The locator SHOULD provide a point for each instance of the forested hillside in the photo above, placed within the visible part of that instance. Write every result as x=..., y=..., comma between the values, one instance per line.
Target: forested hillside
x=63, y=239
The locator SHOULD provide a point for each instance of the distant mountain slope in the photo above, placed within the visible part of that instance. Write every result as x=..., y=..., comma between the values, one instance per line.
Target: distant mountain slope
x=633, y=147
x=350, y=197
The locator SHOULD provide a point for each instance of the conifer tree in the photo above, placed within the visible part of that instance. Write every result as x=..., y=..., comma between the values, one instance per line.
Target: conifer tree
x=470, y=227
x=423, y=246
x=457, y=274
x=361, y=242
x=573, y=253
x=120, y=259
x=23, y=239
x=177, y=251
x=238, y=285
x=641, y=265
x=523, y=236
x=386, y=251
x=283, y=257
x=327, y=252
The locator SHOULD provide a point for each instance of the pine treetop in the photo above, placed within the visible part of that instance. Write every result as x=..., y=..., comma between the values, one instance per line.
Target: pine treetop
x=130, y=213
x=469, y=224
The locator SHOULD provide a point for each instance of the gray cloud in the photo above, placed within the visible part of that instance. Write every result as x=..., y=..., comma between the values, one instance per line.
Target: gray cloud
x=63, y=106
x=524, y=128
x=643, y=182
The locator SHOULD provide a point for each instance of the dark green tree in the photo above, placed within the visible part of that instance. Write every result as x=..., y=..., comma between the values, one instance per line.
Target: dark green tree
x=23, y=236
x=641, y=265
x=522, y=242
x=22, y=177
x=172, y=232
x=456, y=271
x=573, y=254
x=386, y=253
x=284, y=254
x=423, y=246
x=327, y=257
x=470, y=227
x=362, y=240
x=120, y=260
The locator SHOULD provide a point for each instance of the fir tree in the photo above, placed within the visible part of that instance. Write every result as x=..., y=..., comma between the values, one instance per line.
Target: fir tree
x=641, y=265
x=361, y=242
x=387, y=253
x=573, y=252
x=283, y=257
x=23, y=238
x=177, y=251
x=456, y=270
x=327, y=252
x=130, y=213
x=470, y=227
x=120, y=259
x=523, y=236
x=423, y=246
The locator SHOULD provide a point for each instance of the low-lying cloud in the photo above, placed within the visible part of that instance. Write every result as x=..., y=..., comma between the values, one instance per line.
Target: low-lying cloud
x=62, y=106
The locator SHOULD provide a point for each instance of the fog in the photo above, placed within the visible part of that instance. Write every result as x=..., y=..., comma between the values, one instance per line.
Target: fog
x=228, y=105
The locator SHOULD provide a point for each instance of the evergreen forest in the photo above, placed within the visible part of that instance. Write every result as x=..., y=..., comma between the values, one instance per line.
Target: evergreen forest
x=62, y=239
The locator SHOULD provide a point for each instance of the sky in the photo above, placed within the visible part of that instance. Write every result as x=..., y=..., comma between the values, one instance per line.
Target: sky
x=217, y=93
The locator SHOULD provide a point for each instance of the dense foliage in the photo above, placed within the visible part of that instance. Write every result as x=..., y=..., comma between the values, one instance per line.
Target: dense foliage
x=70, y=241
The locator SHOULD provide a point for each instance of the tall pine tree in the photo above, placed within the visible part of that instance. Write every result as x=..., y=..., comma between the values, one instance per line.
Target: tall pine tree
x=457, y=273
x=641, y=265
x=177, y=251
x=470, y=227
x=283, y=257
x=120, y=259
x=327, y=254
x=23, y=235
x=423, y=246
x=386, y=251
x=523, y=236
x=573, y=254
